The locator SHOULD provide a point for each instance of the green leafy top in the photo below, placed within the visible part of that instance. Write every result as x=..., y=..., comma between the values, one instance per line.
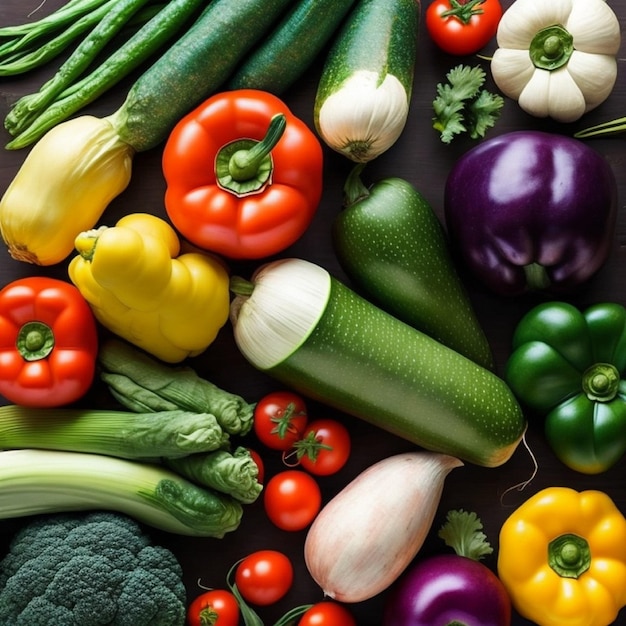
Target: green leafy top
x=463, y=532
x=462, y=104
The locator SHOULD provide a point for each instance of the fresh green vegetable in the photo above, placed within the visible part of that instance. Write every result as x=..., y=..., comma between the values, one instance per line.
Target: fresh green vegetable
x=89, y=568
x=363, y=96
x=462, y=104
x=194, y=67
x=569, y=366
x=122, y=434
x=145, y=385
x=292, y=46
x=33, y=482
x=391, y=243
x=64, y=94
x=606, y=129
x=233, y=473
x=29, y=45
x=300, y=325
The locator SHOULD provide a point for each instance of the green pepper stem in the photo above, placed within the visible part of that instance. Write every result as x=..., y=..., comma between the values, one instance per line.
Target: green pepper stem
x=463, y=11
x=354, y=190
x=601, y=382
x=536, y=276
x=569, y=555
x=551, y=47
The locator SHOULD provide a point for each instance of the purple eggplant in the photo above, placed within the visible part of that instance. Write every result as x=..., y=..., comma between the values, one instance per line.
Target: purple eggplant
x=531, y=211
x=451, y=589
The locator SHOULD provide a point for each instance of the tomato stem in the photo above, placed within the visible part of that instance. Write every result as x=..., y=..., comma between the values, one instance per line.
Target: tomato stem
x=463, y=11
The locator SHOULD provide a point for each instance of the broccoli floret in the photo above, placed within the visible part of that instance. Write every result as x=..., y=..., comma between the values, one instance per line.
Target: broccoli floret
x=89, y=569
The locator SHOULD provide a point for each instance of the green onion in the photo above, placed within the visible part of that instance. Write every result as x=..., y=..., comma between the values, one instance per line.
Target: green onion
x=27, y=51
x=606, y=129
x=64, y=94
x=34, y=482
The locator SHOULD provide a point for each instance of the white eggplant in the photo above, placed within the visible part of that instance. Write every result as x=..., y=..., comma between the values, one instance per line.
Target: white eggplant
x=366, y=536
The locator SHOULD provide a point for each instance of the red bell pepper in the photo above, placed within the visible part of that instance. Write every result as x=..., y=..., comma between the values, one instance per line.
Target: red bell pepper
x=48, y=342
x=244, y=175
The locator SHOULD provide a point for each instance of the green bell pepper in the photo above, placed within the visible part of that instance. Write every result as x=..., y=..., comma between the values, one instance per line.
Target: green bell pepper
x=568, y=366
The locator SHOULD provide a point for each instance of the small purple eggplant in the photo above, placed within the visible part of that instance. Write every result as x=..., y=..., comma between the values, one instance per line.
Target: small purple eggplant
x=451, y=589
x=531, y=211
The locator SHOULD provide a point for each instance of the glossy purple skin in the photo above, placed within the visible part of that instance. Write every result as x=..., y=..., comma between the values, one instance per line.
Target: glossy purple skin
x=530, y=197
x=448, y=590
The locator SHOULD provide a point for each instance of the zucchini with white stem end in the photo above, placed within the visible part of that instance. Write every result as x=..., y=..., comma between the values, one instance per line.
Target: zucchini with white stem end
x=363, y=97
x=300, y=325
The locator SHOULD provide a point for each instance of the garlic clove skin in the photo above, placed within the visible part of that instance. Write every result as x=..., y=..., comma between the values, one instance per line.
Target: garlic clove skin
x=366, y=536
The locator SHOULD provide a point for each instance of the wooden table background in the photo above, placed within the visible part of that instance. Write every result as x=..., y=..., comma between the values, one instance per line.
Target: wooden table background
x=421, y=158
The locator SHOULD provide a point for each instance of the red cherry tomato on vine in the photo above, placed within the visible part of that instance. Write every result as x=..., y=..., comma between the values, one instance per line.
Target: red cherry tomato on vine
x=264, y=577
x=324, y=448
x=327, y=614
x=216, y=607
x=279, y=419
x=258, y=461
x=292, y=499
x=462, y=27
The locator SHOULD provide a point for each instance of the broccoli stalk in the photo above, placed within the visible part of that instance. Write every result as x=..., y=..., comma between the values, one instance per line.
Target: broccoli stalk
x=48, y=481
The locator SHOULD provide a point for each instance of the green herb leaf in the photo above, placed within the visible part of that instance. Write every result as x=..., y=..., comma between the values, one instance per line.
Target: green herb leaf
x=463, y=533
x=462, y=105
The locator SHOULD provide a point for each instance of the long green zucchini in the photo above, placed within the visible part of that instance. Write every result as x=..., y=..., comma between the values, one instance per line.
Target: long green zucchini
x=193, y=68
x=300, y=325
x=292, y=46
x=363, y=96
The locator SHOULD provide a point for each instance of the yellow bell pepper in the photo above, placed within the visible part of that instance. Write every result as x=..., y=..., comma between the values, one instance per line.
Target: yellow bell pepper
x=143, y=289
x=562, y=558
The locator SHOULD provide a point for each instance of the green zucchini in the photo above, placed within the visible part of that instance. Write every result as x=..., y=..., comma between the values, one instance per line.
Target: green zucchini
x=390, y=242
x=193, y=68
x=292, y=46
x=363, y=97
x=300, y=325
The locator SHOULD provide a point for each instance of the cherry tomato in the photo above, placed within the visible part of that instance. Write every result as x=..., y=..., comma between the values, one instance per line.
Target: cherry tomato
x=264, y=577
x=462, y=27
x=327, y=614
x=292, y=499
x=216, y=607
x=324, y=448
x=279, y=419
x=256, y=457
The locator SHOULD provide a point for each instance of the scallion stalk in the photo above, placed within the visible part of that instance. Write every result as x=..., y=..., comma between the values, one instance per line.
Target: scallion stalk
x=606, y=129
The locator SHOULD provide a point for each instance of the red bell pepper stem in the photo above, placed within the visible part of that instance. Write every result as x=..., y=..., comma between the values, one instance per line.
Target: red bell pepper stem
x=245, y=166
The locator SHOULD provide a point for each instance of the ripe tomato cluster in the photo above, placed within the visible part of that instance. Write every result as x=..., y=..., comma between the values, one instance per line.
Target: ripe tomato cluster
x=292, y=498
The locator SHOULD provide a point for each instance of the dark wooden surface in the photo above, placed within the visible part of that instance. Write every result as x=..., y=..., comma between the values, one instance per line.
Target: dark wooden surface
x=421, y=158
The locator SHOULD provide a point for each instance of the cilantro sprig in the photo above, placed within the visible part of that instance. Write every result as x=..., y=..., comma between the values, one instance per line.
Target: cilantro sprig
x=462, y=104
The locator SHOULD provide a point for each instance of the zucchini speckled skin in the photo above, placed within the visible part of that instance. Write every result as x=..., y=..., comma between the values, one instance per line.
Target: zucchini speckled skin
x=193, y=68
x=355, y=357
x=291, y=47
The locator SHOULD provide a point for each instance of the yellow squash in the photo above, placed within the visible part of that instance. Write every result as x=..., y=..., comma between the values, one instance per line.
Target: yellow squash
x=143, y=289
x=63, y=187
x=562, y=558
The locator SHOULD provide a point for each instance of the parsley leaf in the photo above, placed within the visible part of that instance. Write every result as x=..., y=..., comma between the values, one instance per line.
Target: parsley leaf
x=462, y=104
